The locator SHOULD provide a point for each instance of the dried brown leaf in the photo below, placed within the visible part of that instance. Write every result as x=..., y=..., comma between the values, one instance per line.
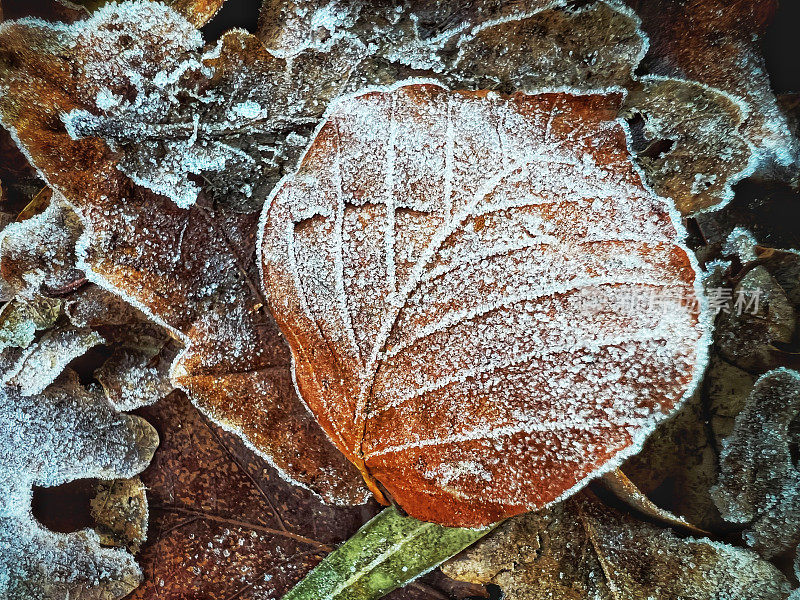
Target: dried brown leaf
x=189, y=268
x=747, y=340
x=716, y=42
x=583, y=549
x=678, y=465
x=759, y=483
x=37, y=255
x=691, y=149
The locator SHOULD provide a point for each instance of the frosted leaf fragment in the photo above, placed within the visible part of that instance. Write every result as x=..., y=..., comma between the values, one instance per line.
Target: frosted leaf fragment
x=759, y=482
x=76, y=435
x=45, y=359
x=583, y=549
x=38, y=254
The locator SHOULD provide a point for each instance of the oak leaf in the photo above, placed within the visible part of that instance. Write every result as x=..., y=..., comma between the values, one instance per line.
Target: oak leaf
x=439, y=255
x=191, y=269
x=61, y=434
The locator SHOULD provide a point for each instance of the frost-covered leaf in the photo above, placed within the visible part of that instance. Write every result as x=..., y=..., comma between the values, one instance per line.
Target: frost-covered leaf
x=38, y=254
x=746, y=338
x=690, y=146
x=759, y=483
x=716, y=42
x=510, y=46
x=582, y=549
x=591, y=47
x=438, y=255
x=222, y=520
x=132, y=379
x=756, y=329
x=190, y=269
x=120, y=511
x=197, y=12
x=44, y=360
x=21, y=319
x=63, y=434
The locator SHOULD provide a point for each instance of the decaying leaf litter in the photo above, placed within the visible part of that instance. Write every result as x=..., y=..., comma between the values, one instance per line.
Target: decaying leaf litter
x=301, y=51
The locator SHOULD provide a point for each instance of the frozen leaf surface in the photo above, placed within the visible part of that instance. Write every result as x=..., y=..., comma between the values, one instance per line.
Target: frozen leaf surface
x=37, y=255
x=439, y=254
x=690, y=147
x=44, y=360
x=759, y=477
x=583, y=549
x=190, y=268
x=64, y=433
x=514, y=46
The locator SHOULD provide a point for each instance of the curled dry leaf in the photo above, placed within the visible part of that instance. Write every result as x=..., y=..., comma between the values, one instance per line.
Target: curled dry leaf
x=64, y=433
x=132, y=379
x=716, y=42
x=747, y=338
x=514, y=229
x=197, y=12
x=120, y=511
x=44, y=360
x=584, y=549
x=191, y=269
x=759, y=481
x=756, y=330
x=626, y=491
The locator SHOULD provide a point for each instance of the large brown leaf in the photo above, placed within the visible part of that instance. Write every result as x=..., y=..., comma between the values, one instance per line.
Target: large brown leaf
x=190, y=268
x=225, y=525
x=457, y=275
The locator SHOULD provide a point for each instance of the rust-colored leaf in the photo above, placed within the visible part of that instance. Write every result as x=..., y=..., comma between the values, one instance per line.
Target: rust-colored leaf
x=457, y=273
x=190, y=268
